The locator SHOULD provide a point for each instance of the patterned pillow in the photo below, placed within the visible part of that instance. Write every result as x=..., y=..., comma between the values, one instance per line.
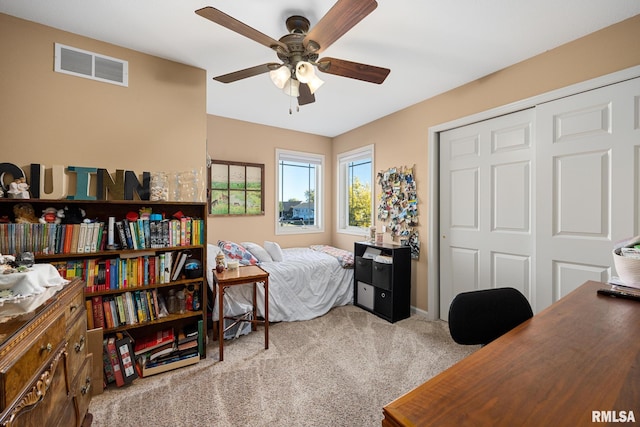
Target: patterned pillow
x=233, y=250
x=345, y=258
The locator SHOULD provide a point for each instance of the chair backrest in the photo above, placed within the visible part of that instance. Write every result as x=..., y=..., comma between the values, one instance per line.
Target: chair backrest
x=479, y=317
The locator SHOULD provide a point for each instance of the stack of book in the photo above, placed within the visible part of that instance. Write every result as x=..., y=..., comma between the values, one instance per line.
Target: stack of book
x=118, y=361
x=168, y=350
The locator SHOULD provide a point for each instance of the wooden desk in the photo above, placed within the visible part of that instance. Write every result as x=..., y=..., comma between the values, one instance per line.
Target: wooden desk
x=242, y=276
x=581, y=354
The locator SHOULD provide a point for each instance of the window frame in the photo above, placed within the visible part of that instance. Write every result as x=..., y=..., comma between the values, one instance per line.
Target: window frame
x=302, y=157
x=342, y=210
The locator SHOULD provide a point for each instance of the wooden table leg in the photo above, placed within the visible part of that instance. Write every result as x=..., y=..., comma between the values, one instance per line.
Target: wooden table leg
x=220, y=322
x=266, y=313
x=254, y=324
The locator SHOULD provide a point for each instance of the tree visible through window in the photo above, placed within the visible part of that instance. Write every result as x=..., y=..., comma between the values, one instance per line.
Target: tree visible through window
x=355, y=201
x=359, y=194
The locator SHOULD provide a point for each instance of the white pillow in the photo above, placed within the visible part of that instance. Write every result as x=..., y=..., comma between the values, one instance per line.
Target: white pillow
x=274, y=250
x=257, y=251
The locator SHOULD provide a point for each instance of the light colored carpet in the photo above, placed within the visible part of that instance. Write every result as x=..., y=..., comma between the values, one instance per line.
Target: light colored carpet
x=337, y=370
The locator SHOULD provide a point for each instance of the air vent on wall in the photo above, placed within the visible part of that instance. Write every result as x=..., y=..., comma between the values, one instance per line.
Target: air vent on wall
x=81, y=63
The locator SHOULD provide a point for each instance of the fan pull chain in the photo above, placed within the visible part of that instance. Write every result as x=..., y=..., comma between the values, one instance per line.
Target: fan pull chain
x=290, y=106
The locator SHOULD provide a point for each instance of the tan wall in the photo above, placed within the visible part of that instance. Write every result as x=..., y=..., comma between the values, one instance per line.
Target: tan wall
x=234, y=140
x=401, y=138
x=157, y=123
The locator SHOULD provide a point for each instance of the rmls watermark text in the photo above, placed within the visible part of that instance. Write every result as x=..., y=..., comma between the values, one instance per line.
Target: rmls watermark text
x=613, y=417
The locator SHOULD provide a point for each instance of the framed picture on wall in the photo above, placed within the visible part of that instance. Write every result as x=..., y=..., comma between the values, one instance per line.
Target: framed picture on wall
x=236, y=188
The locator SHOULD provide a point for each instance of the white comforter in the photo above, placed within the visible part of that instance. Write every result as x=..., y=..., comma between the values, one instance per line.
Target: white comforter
x=306, y=284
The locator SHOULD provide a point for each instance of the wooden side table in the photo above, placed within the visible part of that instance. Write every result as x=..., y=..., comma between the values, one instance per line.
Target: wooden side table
x=250, y=274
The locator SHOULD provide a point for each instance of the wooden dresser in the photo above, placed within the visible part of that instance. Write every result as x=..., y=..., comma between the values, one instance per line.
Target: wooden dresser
x=45, y=368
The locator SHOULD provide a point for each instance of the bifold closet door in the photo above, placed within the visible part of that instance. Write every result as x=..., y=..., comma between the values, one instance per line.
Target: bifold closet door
x=486, y=206
x=588, y=148
x=537, y=199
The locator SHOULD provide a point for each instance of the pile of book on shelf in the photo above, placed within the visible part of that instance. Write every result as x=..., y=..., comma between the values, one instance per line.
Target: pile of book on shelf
x=168, y=350
x=142, y=233
x=125, y=359
x=125, y=271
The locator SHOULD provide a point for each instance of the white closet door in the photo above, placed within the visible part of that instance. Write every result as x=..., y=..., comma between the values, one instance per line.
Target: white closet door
x=486, y=187
x=588, y=147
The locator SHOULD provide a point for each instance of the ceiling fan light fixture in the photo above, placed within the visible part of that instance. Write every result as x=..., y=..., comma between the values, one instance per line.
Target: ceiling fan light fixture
x=314, y=84
x=305, y=72
x=280, y=76
x=291, y=88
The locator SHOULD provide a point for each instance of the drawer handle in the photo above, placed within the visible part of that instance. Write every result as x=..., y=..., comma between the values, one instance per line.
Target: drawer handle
x=73, y=308
x=46, y=348
x=86, y=387
x=80, y=345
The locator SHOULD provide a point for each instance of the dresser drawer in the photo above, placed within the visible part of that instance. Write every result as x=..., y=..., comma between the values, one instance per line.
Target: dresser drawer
x=81, y=389
x=74, y=305
x=76, y=345
x=44, y=399
x=29, y=356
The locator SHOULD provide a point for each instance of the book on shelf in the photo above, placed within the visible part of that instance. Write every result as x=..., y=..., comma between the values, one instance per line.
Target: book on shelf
x=107, y=367
x=168, y=262
x=179, y=264
x=188, y=333
x=127, y=233
x=157, y=368
x=125, y=355
x=108, y=314
x=161, y=351
x=82, y=233
x=201, y=337
x=151, y=342
x=171, y=356
x=98, y=311
x=115, y=361
x=188, y=345
x=122, y=237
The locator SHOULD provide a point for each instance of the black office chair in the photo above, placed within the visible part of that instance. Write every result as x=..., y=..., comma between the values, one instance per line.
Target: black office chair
x=479, y=317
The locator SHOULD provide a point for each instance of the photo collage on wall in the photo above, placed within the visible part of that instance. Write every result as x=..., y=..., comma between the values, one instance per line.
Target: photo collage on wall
x=398, y=206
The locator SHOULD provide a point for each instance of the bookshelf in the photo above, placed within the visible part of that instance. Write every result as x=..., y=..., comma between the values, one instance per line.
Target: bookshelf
x=137, y=268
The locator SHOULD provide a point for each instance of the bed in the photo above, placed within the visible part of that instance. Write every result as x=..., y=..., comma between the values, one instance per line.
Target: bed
x=304, y=283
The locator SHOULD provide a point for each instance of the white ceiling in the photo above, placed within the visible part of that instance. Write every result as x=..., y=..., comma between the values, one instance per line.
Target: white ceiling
x=431, y=46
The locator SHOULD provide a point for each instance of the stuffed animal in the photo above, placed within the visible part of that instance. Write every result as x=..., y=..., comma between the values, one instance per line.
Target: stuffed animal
x=50, y=215
x=71, y=215
x=24, y=213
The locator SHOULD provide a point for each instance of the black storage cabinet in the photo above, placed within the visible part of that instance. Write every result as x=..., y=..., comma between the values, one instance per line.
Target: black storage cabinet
x=381, y=288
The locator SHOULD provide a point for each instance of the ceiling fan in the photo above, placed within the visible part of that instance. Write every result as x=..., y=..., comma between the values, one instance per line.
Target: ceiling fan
x=299, y=49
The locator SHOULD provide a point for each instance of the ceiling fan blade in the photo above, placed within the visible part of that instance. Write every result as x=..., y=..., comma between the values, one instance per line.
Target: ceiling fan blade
x=343, y=16
x=247, y=72
x=305, y=97
x=241, y=28
x=353, y=70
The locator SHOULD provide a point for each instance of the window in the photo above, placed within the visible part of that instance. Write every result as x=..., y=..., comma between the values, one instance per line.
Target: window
x=355, y=191
x=235, y=188
x=299, y=202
